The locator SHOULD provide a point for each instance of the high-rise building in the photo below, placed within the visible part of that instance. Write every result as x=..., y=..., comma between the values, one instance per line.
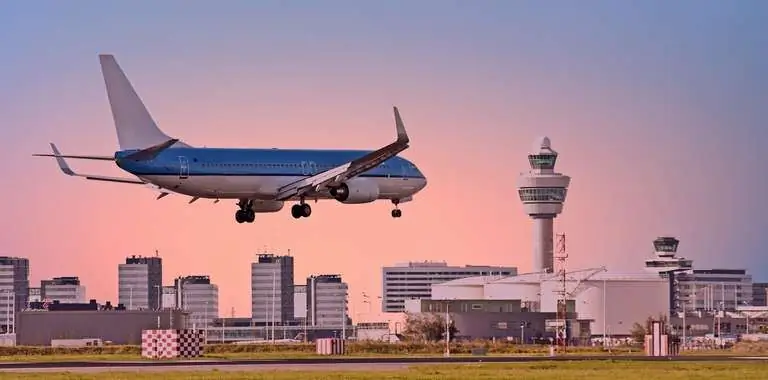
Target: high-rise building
x=300, y=308
x=759, y=293
x=140, y=283
x=62, y=289
x=327, y=301
x=198, y=296
x=272, y=289
x=543, y=192
x=14, y=290
x=414, y=280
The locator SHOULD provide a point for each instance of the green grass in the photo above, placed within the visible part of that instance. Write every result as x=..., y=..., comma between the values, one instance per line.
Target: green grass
x=604, y=370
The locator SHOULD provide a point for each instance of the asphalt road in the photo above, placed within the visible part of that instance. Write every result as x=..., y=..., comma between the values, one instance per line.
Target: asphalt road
x=319, y=364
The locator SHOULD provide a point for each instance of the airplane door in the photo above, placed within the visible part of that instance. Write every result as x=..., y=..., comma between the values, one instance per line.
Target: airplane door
x=183, y=167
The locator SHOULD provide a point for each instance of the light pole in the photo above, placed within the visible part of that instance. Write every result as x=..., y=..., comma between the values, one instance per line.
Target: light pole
x=274, y=287
x=605, y=320
x=522, y=332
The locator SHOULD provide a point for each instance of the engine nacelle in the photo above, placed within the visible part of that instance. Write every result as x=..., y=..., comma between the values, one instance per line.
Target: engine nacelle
x=356, y=190
x=267, y=206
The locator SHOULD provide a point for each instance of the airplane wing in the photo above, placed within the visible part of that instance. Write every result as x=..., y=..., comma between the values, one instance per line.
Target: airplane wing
x=350, y=169
x=68, y=171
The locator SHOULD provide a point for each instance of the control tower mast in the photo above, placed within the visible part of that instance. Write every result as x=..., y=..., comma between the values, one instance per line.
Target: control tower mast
x=542, y=192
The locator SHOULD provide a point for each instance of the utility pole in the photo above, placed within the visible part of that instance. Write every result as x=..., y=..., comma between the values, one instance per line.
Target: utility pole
x=562, y=308
x=447, y=330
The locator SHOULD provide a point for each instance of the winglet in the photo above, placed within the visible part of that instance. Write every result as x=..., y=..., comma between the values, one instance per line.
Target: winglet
x=402, y=136
x=60, y=160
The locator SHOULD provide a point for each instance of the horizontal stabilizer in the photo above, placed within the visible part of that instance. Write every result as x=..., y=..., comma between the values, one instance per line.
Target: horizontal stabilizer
x=68, y=171
x=78, y=157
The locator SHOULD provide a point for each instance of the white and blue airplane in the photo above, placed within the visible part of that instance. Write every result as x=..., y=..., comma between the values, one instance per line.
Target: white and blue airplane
x=262, y=180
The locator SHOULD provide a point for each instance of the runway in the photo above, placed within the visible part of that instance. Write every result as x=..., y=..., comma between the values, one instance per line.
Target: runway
x=321, y=364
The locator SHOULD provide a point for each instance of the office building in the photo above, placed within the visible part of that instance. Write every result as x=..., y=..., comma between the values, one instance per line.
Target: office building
x=759, y=294
x=713, y=289
x=140, y=283
x=199, y=297
x=300, y=308
x=14, y=289
x=327, y=301
x=414, y=280
x=169, y=297
x=272, y=289
x=62, y=289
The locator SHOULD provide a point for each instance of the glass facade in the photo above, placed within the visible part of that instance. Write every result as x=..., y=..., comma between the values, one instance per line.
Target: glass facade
x=542, y=194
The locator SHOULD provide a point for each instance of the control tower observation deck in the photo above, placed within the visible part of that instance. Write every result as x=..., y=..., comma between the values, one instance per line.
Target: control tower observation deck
x=542, y=192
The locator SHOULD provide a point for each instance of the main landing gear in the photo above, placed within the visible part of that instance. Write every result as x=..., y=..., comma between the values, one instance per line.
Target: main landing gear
x=396, y=213
x=301, y=209
x=245, y=214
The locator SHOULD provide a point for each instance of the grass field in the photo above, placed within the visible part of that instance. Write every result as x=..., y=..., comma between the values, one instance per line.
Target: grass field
x=604, y=370
x=289, y=351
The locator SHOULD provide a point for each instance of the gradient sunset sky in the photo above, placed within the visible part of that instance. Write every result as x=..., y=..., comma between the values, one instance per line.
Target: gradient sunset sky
x=657, y=108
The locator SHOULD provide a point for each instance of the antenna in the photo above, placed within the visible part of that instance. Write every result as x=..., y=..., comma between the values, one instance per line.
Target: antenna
x=157, y=253
x=233, y=312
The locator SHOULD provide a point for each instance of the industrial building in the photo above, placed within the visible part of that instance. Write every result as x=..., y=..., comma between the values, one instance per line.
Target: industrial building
x=140, y=283
x=199, y=297
x=272, y=289
x=590, y=294
x=63, y=290
x=413, y=280
x=327, y=301
x=39, y=327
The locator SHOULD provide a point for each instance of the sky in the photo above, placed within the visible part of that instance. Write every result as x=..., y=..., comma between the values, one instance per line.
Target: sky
x=655, y=107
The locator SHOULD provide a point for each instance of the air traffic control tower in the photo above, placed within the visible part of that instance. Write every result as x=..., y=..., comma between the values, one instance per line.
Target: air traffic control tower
x=542, y=192
x=666, y=264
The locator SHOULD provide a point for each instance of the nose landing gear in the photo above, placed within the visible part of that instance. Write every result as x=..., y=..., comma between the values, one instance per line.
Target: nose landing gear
x=396, y=213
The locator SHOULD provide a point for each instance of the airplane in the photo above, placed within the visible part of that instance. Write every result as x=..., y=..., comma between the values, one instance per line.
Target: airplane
x=261, y=180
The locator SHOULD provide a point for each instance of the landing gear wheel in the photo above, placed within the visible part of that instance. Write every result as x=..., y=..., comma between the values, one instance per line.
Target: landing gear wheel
x=396, y=213
x=240, y=216
x=250, y=216
x=296, y=211
x=301, y=210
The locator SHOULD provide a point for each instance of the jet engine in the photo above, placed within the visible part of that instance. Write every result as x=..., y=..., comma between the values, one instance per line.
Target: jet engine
x=356, y=190
x=267, y=206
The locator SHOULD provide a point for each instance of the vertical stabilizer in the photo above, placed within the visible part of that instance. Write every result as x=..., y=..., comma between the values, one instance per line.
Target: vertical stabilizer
x=135, y=127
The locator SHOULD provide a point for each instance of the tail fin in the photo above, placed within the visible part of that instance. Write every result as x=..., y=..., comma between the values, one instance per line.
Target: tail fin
x=135, y=127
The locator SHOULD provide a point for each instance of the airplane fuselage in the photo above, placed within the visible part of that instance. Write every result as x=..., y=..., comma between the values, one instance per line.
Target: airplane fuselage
x=227, y=173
